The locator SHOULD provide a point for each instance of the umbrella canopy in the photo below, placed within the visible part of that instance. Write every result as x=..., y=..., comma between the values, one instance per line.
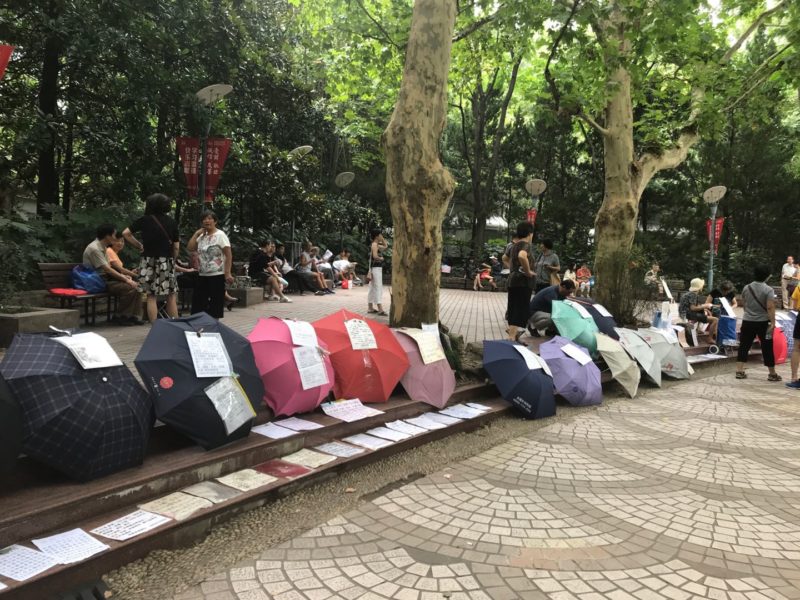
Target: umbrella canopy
x=642, y=353
x=780, y=346
x=602, y=318
x=668, y=352
x=529, y=390
x=10, y=428
x=85, y=423
x=576, y=327
x=433, y=383
x=623, y=368
x=785, y=319
x=579, y=384
x=273, y=349
x=182, y=399
x=368, y=374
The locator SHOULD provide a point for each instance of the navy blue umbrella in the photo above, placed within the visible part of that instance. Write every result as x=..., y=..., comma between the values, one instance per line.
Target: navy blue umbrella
x=165, y=364
x=529, y=390
x=605, y=323
x=85, y=423
x=10, y=429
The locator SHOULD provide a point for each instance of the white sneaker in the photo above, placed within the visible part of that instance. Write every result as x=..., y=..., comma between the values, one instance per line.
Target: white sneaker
x=274, y=297
x=284, y=300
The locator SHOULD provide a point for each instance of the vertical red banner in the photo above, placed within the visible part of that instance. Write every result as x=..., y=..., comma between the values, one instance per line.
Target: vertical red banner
x=216, y=154
x=532, y=212
x=189, y=152
x=717, y=231
x=5, y=56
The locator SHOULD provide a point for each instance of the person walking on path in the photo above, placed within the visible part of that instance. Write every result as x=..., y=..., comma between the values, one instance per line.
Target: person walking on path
x=159, y=247
x=520, y=281
x=758, y=300
x=375, y=295
x=216, y=259
x=788, y=276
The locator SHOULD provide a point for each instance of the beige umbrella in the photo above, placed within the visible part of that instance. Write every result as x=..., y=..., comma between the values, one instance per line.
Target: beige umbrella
x=623, y=368
x=641, y=352
x=667, y=350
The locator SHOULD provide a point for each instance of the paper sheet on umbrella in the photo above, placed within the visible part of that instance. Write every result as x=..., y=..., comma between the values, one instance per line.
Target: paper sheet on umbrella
x=302, y=332
x=431, y=328
x=349, y=410
x=579, y=307
x=430, y=349
x=308, y=458
x=460, y=411
x=426, y=423
x=361, y=336
x=573, y=351
x=667, y=291
x=273, y=431
x=212, y=491
x=388, y=434
x=20, y=563
x=533, y=361
x=209, y=355
x=177, y=505
x=367, y=441
x=70, y=546
x=91, y=350
x=298, y=424
x=338, y=449
x=405, y=427
x=310, y=366
x=3, y=586
x=246, y=480
x=230, y=402
x=131, y=525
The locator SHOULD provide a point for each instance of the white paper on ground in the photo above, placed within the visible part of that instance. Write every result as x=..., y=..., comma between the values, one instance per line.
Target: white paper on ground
x=273, y=431
x=430, y=348
x=70, y=546
x=573, y=351
x=308, y=458
x=310, y=366
x=131, y=525
x=727, y=307
x=212, y=491
x=388, y=434
x=209, y=355
x=20, y=563
x=231, y=403
x=361, y=336
x=338, y=449
x=480, y=407
x=298, y=424
x=91, y=350
x=579, y=307
x=367, y=441
x=443, y=419
x=302, y=332
x=349, y=410
x=426, y=423
x=404, y=427
x=176, y=506
x=603, y=310
x=246, y=480
x=461, y=411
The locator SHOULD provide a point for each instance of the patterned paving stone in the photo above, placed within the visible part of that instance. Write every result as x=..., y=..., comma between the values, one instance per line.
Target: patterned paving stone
x=727, y=434
x=594, y=429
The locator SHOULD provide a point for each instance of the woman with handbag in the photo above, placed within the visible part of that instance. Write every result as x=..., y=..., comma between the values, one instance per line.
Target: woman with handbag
x=159, y=248
x=375, y=273
x=520, y=282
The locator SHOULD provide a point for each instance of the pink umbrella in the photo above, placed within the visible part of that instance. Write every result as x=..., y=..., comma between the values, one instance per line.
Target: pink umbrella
x=283, y=391
x=433, y=383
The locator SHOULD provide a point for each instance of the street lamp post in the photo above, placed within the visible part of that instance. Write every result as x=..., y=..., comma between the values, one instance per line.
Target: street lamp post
x=535, y=187
x=208, y=96
x=712, y=196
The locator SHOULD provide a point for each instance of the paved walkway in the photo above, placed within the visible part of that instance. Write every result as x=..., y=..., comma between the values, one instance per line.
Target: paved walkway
x=690, y=491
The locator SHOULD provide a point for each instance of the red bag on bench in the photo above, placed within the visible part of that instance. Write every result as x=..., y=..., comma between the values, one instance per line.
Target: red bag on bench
x=68, y=292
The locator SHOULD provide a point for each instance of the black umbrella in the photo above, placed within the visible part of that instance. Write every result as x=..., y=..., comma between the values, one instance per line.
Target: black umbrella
x=165, y=364
x=605, y=323
x=85, y=423
x=10, y=429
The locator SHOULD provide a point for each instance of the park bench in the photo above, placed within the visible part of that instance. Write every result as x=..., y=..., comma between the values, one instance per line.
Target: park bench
x=59, y=276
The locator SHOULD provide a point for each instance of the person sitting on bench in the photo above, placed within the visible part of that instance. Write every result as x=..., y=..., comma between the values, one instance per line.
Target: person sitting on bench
x=694, y=308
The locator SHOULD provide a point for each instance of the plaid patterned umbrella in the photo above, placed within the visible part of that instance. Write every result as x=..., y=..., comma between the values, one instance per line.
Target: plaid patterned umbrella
x=84, y=423
x=10, y=429
x=165, y=364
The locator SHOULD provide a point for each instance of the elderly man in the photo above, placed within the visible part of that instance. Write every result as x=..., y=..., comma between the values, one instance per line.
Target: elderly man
x=788, y=277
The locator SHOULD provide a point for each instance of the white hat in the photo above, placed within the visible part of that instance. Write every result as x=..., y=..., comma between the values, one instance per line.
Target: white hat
x=697, y=285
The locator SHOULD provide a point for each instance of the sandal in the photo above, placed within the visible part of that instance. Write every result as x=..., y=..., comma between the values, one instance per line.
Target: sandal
x=383, y=313
x=372, y=310
x=741, y=375
x=774, y=377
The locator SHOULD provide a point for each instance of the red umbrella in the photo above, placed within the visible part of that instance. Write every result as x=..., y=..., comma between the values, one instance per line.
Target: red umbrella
x=370, y=371
x=433, y=383
x=780, y=346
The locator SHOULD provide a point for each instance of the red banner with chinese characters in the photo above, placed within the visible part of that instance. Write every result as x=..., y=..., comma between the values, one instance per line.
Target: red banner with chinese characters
x=532, y=212
x=5, y=56
x=717, y=231
x=216, y=154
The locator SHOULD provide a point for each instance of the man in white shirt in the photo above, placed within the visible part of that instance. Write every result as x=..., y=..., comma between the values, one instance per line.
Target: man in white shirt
x=788, y=274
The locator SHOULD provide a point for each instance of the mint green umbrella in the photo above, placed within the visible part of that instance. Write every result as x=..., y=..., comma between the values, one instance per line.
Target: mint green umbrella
x=576, y=324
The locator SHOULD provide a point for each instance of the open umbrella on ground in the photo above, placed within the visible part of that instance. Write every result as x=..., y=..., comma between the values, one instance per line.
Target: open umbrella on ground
x=623, y=369
x=274, y=351
x=574, y=325
x=85, y=423
x=602, y=318
x=521, y=377
x=575, y=377
x=432, y=383
x=367, y=359
x=780, y=347
x=785, y=319
x=642, y=353
x=10, y=429
x=211, y=410
x=668, y=351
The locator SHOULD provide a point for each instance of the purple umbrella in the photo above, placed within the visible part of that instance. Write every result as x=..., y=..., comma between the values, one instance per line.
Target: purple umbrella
x=578, y=383
x=433, y=383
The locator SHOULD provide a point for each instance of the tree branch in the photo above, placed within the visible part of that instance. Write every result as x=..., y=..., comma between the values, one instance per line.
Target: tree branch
x=753, y=26
x=473, y=27
x=757, y=83
x=582, y=115
x=551, y=82
x=498, y=132
x=464, y=137
x=388, y=38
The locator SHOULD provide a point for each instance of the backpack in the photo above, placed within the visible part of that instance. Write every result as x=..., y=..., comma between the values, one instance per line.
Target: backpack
x=87, y=278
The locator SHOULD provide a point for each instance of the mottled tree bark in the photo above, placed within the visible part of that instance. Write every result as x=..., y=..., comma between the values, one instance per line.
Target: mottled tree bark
x=418, y=186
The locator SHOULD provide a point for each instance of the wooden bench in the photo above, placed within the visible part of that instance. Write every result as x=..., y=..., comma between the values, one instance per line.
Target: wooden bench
x=59, y=275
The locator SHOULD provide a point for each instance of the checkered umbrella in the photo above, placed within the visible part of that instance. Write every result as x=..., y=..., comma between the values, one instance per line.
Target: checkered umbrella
x=84, y=423
x=10, y=429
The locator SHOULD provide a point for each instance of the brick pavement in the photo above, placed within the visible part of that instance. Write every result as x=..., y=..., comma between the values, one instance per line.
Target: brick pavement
x=690, y=491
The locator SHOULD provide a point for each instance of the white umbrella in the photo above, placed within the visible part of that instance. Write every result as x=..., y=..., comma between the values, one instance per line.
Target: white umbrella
x=623, y=369
x=668, y=350
x=641, y=352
